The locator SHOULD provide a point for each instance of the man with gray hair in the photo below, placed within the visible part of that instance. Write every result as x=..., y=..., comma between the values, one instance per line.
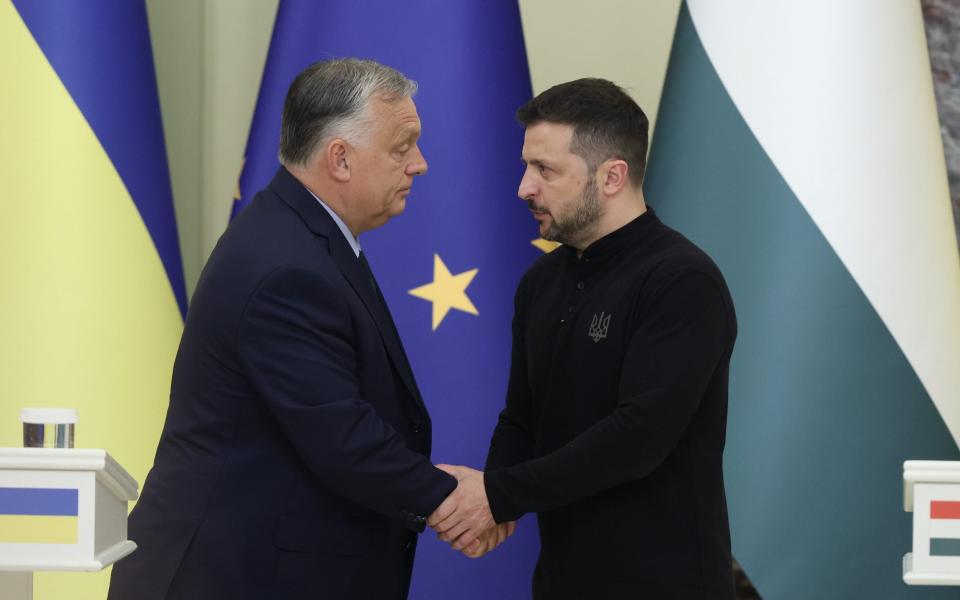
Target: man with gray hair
x=295, y=454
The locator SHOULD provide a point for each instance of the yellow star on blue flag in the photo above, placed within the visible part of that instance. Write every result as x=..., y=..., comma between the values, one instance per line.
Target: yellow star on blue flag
x=447, y=291
x=545, y=245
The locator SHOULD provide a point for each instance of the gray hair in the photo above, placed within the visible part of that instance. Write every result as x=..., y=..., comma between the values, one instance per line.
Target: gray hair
x=331, y=99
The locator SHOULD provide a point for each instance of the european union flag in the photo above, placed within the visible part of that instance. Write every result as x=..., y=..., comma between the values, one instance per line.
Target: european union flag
x=449, y=265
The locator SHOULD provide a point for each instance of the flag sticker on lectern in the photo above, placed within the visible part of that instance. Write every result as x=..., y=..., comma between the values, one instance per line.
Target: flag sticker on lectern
x=38, y=515
x=944, y=528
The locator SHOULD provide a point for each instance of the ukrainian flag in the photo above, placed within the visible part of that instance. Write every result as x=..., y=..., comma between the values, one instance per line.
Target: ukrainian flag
x=38, y=515
x=93, y=297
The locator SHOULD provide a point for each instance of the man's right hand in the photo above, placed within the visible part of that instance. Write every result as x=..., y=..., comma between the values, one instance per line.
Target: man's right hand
x=490, y=539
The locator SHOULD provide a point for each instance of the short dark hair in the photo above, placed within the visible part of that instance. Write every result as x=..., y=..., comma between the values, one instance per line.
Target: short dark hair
x=329, y=99
x=606, y=122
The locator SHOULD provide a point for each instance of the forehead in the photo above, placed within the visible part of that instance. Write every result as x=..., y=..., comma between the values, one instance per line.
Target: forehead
x=547, y=140
x=397, y=118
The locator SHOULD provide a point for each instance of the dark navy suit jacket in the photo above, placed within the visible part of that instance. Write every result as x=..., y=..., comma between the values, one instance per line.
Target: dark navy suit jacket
x=294, y=459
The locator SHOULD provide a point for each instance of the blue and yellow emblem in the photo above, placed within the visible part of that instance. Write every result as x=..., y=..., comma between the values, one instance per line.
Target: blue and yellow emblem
x=38, y=515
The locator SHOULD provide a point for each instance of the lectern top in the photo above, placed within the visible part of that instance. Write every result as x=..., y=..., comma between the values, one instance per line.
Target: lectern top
x=927, y=471
x=108, y=471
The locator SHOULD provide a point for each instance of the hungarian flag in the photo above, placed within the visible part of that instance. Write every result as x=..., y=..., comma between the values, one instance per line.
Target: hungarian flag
x=798, y=144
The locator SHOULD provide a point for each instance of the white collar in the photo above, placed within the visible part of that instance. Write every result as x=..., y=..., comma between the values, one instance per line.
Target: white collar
x=351, y=239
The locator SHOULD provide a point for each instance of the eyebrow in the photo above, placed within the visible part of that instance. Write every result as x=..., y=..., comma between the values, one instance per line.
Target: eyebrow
x=408, y=133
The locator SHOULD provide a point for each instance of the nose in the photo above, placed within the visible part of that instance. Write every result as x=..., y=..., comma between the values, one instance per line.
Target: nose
x=418, y=164
x=527, y=187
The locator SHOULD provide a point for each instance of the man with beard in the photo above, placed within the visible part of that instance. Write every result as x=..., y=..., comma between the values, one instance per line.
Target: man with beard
x=615, y=417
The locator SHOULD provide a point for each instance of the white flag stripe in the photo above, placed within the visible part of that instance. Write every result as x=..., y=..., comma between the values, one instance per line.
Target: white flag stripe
x=847, y=115
x=945, y=528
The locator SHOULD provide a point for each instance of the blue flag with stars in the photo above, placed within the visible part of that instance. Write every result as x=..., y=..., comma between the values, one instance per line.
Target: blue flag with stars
x=449, y=264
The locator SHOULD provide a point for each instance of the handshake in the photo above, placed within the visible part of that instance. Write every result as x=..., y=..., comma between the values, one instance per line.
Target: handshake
x=464, y=518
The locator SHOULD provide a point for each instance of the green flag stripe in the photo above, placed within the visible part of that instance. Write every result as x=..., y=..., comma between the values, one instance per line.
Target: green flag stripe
x=944, y=547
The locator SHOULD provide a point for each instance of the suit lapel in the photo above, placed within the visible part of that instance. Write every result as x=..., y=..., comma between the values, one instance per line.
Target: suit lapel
x=359, y=280
x=317, y=220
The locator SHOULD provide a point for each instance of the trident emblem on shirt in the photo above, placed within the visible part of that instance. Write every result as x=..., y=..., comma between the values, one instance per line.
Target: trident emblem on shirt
x=598, y=327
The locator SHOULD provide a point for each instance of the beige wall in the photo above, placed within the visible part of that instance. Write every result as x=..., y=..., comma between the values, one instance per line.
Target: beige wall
x=177, y=35
x=210, y=57
x=625, y=41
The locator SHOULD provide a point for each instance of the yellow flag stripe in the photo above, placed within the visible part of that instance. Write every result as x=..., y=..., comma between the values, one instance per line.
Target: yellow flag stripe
x=37, y=529
x=91, y=321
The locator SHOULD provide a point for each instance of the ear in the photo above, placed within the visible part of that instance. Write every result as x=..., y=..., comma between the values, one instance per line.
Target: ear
x=336, y=156
x=613, y=176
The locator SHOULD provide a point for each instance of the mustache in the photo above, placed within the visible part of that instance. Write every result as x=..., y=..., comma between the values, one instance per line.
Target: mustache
x=540, y=209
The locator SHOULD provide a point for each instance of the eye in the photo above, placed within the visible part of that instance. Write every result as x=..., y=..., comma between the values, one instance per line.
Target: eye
x=399, y=152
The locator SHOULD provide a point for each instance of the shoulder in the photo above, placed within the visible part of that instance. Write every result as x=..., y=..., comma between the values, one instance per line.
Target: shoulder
x=268, y=232
x=681, y=274
x=268, y=214
x=266, y=247
x=672, y=256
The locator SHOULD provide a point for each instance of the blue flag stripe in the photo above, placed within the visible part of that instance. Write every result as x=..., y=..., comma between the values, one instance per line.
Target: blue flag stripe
x=38, y=501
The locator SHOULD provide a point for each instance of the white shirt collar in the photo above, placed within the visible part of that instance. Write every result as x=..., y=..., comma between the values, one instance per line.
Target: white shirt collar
x=353, y=241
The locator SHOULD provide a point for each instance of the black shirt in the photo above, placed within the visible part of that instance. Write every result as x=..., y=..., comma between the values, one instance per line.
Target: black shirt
x=615, y=417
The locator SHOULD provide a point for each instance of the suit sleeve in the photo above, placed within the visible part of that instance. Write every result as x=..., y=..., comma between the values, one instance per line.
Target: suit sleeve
x=297, y=349
x=512, y=439
x=669, y=362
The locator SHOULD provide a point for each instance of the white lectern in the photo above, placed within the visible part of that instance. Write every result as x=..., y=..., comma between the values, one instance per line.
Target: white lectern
x=931, y=490
x=61, y=509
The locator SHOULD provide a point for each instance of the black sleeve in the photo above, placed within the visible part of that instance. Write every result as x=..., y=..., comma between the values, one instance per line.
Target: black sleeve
x=512, y=440
x=668, y=365
x=296, y=347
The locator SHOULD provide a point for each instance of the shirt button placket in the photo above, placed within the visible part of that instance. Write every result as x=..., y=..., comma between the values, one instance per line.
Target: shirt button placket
x=580, y=285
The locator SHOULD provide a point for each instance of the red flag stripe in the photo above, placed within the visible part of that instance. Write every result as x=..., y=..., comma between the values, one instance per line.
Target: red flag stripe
x=942, y=509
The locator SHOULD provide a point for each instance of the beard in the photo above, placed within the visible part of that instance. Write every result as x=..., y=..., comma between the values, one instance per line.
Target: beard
x=576, y=221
